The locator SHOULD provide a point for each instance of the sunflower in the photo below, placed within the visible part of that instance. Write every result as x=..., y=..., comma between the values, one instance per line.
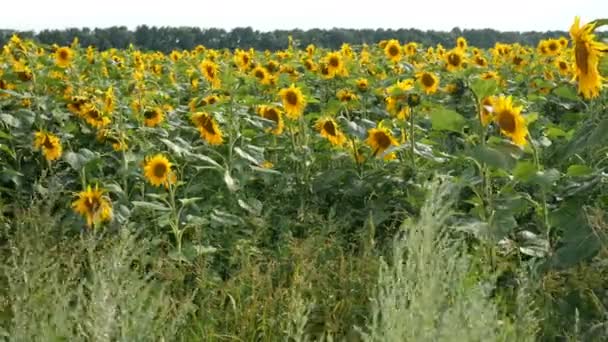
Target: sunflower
x=261, y=74
x=210, y=71
x=293, y=101
x=480, y=61
x=486, y=108
x=334, y=63
x=454, y=60
x=310, y=50
x=118, y=142
x=49, y=144
x=153, y=116
x=562, y=66
x=64, y=56
x=109, y=100
x=509, y=119
x=345, y=95
x=362, y=84
x=461, y=44
x=242, y=59
x=208, y=128
x=410, y=48
x=157, y=171
x=428, y=81
x=328, y=128
x=93, y=205
x=392, y=50
x=586, y=54
x=309, y=64
x=274, y=114
x=211, y=99
x=489, y=75
x=396, y=102
x=77, y=104
x=94, y=117
x=380, y=139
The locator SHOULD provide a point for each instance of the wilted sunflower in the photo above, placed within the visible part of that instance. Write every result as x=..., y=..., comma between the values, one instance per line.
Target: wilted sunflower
x=454, y=60
x=93, y=205
x=274, y=114
x=208, y=128
x=509, y=119
x=328, y=128
x=428, y=81
x=64, y=56
x=49, y=144
x=380, y=139
x=293, y=101
x=153, y=116
x=157, y=171
x=210, y=71
x=586, y=54
x=392, y=50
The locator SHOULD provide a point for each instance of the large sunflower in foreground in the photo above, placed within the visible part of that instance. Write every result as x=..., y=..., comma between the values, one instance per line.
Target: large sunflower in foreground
x=328, y=128
x=93, y=206
x=392, y=50
x=208, y=128
x=380, y=139
x=509, y=119
x=49, y=144
x=586, y=54
x=293, y=101
x=64, y=56
x=428, y=81
x=157, y=171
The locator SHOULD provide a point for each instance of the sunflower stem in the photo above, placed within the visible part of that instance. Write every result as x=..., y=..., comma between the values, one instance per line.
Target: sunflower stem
x=412, y=140
x=543, y=194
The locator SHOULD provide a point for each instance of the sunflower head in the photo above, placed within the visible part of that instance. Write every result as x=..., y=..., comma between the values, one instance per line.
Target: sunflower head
x=454, y=60
x=587, y=52
x=49, y=144
x=329, y=129
x=380, y=139
x=461, y=43
x=293, y=101
x=261, y=74
x=428, y=81
x=509, y=120
x=93, y=206
x=153, y=116
x=486, y=110
x=210, y=71
x=157, y=170
x=208, y=128
x=392, y=50
x=274, y=114
x=362, y=84
x=64, y=56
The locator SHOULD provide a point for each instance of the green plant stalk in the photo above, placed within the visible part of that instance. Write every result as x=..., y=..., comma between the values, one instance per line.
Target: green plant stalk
x=543, y=194
x=412, y=140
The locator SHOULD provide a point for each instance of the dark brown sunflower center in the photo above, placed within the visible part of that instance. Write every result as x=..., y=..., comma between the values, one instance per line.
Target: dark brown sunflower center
x=150, y=114
x=259, y=74
x=427, y=80
x=291, y=97
x=207, y=124
x=210, y=72
x=553, y=46
x=517, y=60
x=334, y=61
x=393, y=50
x=48, y=144
x=382, y=140
x=63, y=54
x=212, y=100
x=271, y=114
x=454, y=59
x=92, y=203
x=160, y=170
x=329, y=127
x=506, y=121
x=94, y=114
x=563, y=65
x=245, y=59
x=581, y=54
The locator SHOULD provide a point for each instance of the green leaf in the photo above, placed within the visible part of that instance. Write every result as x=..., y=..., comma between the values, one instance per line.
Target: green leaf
x=578, y=170
x=524, y=171
x=483, y=88
x=10, y=120
x=493, y=157
x=253, y=206
x=444, y=119
x=566, y=92
x=246, y=156
x=230, y=182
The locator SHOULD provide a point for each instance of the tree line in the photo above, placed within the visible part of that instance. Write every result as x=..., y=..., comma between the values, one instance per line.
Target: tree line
x=167, y=39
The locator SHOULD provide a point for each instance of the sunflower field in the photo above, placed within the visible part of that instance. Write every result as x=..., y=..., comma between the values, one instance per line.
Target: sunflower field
x=382, y=192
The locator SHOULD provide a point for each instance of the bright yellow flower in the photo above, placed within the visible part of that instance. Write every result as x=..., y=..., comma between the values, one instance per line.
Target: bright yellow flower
x=380, y=139
x=208, y=128
x=157, y=171
x=329, y=129
x=49, y=144
x=509, y=119
x=64, y=56
x=293, y=101
x=586, y=55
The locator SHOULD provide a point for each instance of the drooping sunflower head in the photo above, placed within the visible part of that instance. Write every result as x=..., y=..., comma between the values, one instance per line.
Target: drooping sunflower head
x=481, y=61
x=293, y=101
x=153, y=116
x=274, y=114
x=392, y=50
x=64, y=56
x=95, y=117
x=93, y=206
x=329, y=129
x=428, y=81
x=587, y=53
x=208, y=128
x=345, y=95
x=210, y=71
x=49, y=144
x=157, y=170
x=486, y=110
x=380, y=139
x=509, y=119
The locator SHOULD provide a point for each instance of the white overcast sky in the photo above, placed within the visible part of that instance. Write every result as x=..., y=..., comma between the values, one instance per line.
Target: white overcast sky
x=266, y=15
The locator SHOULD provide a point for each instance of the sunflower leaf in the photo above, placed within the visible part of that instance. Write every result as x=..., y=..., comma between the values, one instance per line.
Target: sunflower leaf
x=150, y=205
x=443, y=119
